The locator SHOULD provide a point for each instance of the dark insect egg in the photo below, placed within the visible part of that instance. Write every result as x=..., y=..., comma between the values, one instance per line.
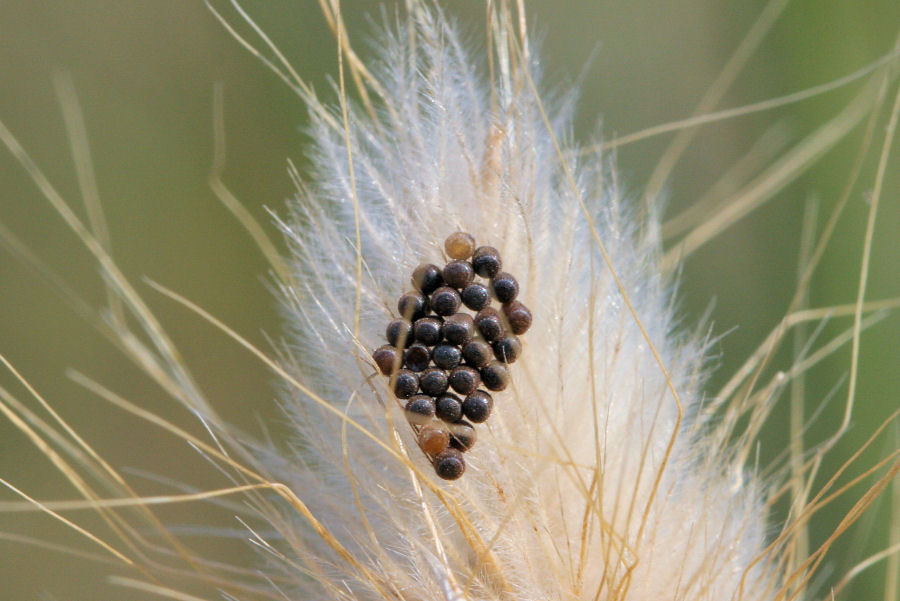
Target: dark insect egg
x=449, y=464
x=446, y=356
x=420, y=410
x=518, y=316
x=433, y=381
x=507, y=349
x=399, y=333
x=495, y=376
x=458, y=274
x=486, y=261
x=477, y=353
x=412, y=306
x=505, y=287
x=433, y=440
x=464, y=379
x=385, y=357
x=459, y=245
x=406, y=383
x=448, y=407
x=475, y=297
x=462, y=435
x=417, y=357
x=459, y=328
x=427, y=331
x=489, y=323
x=445, y=301
x=427, y=278
x=477, y=406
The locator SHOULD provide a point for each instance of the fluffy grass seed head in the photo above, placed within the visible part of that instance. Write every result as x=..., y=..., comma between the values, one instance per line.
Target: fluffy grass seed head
x=592, y=479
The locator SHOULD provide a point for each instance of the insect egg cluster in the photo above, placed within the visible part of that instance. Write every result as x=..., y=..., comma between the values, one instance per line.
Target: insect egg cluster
x=440, y=358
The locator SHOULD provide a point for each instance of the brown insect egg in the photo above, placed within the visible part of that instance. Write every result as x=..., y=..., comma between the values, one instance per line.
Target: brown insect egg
x=446, y=356
x=433, y=440
x=477, y=406
x=475, y=297
x=427, y=331
x=458, y=274
x=495, y=376
x=464, y=379
x=518, y=316
x=462, y=435
x=448, y=407
x=412, y=306
x=399, y=333
x=427, y=278
x=507, y=349
x=477, y=353
x=405, y=384
x=505, y=287
x=420, y=410
x=417, y=357
x=385, y=358
x=489, y=323
x=445, y=301
x=449, y=464
x=459, y=245
x=433, y=381
x=486, y=261
x=459, y=328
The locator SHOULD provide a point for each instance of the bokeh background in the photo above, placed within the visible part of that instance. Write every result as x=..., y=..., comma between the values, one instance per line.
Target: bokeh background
x=144, y=73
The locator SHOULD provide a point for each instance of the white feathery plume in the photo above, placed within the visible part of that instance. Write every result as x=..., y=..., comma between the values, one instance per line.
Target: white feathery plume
x=601, y=475
x=591, y=480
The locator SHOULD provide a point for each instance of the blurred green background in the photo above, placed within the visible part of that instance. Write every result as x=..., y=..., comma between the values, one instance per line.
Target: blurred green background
x=144, y=73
